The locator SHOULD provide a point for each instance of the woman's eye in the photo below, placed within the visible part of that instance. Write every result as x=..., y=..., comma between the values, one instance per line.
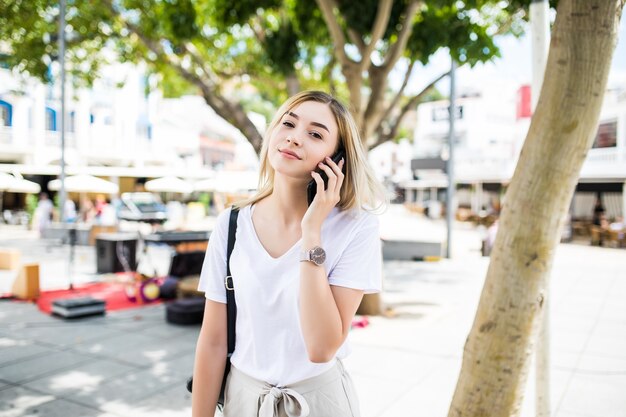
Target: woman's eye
x=316, y=135
x=288, y=124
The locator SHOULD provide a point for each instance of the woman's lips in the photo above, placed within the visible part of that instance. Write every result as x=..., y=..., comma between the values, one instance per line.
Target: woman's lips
x=289, y=155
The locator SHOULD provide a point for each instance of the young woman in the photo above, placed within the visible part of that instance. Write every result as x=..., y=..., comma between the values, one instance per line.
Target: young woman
x=299, y=272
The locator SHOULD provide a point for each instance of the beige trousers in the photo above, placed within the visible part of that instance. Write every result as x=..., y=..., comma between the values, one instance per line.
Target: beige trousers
x=330, y=394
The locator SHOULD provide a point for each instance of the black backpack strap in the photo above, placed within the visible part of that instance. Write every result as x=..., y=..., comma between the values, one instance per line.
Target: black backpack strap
x=231, y=306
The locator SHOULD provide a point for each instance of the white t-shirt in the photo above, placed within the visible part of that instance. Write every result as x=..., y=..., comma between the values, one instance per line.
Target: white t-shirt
x=269, y=343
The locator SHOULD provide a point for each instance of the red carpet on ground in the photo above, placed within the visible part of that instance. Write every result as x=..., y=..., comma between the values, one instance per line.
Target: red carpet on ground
x=113, y=293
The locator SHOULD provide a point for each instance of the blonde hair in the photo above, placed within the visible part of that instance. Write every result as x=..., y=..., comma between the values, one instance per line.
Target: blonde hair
x=360, y=189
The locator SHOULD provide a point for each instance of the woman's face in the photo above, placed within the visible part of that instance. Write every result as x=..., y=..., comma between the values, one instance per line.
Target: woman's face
x=305, y=135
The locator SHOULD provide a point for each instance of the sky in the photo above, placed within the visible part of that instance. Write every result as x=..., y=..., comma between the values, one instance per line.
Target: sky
x=514, y=66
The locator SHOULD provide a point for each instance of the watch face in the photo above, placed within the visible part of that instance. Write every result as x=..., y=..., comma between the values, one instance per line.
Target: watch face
x=318, y=255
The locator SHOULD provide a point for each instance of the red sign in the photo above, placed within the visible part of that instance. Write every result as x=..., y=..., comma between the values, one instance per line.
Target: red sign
x=523, y=102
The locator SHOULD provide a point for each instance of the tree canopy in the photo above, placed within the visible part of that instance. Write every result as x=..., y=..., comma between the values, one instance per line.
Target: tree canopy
x=222, y=49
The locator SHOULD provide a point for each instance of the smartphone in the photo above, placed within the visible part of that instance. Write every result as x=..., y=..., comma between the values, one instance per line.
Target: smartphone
x=311, y=188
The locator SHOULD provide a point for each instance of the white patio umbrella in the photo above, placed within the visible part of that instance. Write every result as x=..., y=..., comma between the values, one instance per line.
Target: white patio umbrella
x=15, y=184
x=85, y=184
x=229, y=182
x=208, y=184
x=169, y=184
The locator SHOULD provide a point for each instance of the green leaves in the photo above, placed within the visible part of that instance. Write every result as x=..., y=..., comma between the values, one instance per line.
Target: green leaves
x=232, y=47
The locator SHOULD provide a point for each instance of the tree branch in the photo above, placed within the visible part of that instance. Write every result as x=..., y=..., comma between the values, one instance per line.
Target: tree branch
x=231, y=112
x=356, y=39
x=411, y=104
x=378, y=30
x=506, y=25
x=327, y=7
x=403, y=37
x=394, y=102
x=257, y=29
x=329, y=70
x=193, y=53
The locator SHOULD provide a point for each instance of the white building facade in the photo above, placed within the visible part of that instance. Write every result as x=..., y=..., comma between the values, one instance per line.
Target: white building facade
x=121, y=127
x=490, y=130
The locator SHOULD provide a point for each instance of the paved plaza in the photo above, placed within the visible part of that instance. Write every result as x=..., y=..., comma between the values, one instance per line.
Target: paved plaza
x=132, y=363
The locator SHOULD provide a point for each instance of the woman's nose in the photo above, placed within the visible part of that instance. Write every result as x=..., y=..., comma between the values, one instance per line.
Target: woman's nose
x=292, y=138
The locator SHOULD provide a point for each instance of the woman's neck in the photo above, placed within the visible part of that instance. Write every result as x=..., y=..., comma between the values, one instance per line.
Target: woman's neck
x=288, y=202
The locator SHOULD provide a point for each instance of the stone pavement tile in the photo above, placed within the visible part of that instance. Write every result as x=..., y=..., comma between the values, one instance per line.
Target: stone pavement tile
x=567, y=323
x=146, y=311
x=571, y=413
x=170, y=331
x=592, y=287
x=608, y=368
x=398, y=364
x=568, y=342
x=136, y=319
x=12, y=312
x=183, y=363
x=618, y=289
x=19, y=401
x=608, y=340
x=128, y=389
x=117, y=345
x=60, y=408
x=614, y=310
x=64, y=334
x=15, y=350
x=85, y=378
x=559, y=380
x=189, y=338
x=172, y=402
x=377, y=394
x=562, y=361
x=156, y=352
x=410, y=335
x=430, y=398
x=578, y=306
x=41, y=365
x=596, y=395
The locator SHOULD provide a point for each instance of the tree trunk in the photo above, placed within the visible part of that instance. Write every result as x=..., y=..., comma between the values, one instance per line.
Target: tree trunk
x=371, y=305
x=234, y=114
x=497, y=351
x=293, y=84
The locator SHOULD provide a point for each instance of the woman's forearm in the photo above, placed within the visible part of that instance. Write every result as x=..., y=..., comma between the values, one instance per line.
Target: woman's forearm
x=208, y=371
x=319, y=315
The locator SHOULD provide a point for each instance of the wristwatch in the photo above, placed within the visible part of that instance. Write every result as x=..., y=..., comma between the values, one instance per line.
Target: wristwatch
x=317, y=255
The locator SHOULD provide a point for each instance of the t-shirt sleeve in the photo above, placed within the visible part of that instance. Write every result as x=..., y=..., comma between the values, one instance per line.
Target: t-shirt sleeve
x=214, y=266
x=360, y=265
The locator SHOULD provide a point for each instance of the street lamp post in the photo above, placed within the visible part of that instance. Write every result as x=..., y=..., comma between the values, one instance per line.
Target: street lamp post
x=62, y=193
x=450, y=163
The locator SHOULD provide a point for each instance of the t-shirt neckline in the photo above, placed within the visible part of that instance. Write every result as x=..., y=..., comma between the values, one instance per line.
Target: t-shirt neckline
x=258, y=241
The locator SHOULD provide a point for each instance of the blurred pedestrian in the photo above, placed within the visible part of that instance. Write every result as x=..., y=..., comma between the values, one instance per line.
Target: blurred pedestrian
x=43, y=212
x=87, y=211
x=299, y=271
x=598, y=211
x=70, y=211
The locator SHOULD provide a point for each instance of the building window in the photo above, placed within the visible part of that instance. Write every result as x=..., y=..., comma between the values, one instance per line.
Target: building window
x=607, y=135
x=6, y=113
x=51, y=119
x=443, y=113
